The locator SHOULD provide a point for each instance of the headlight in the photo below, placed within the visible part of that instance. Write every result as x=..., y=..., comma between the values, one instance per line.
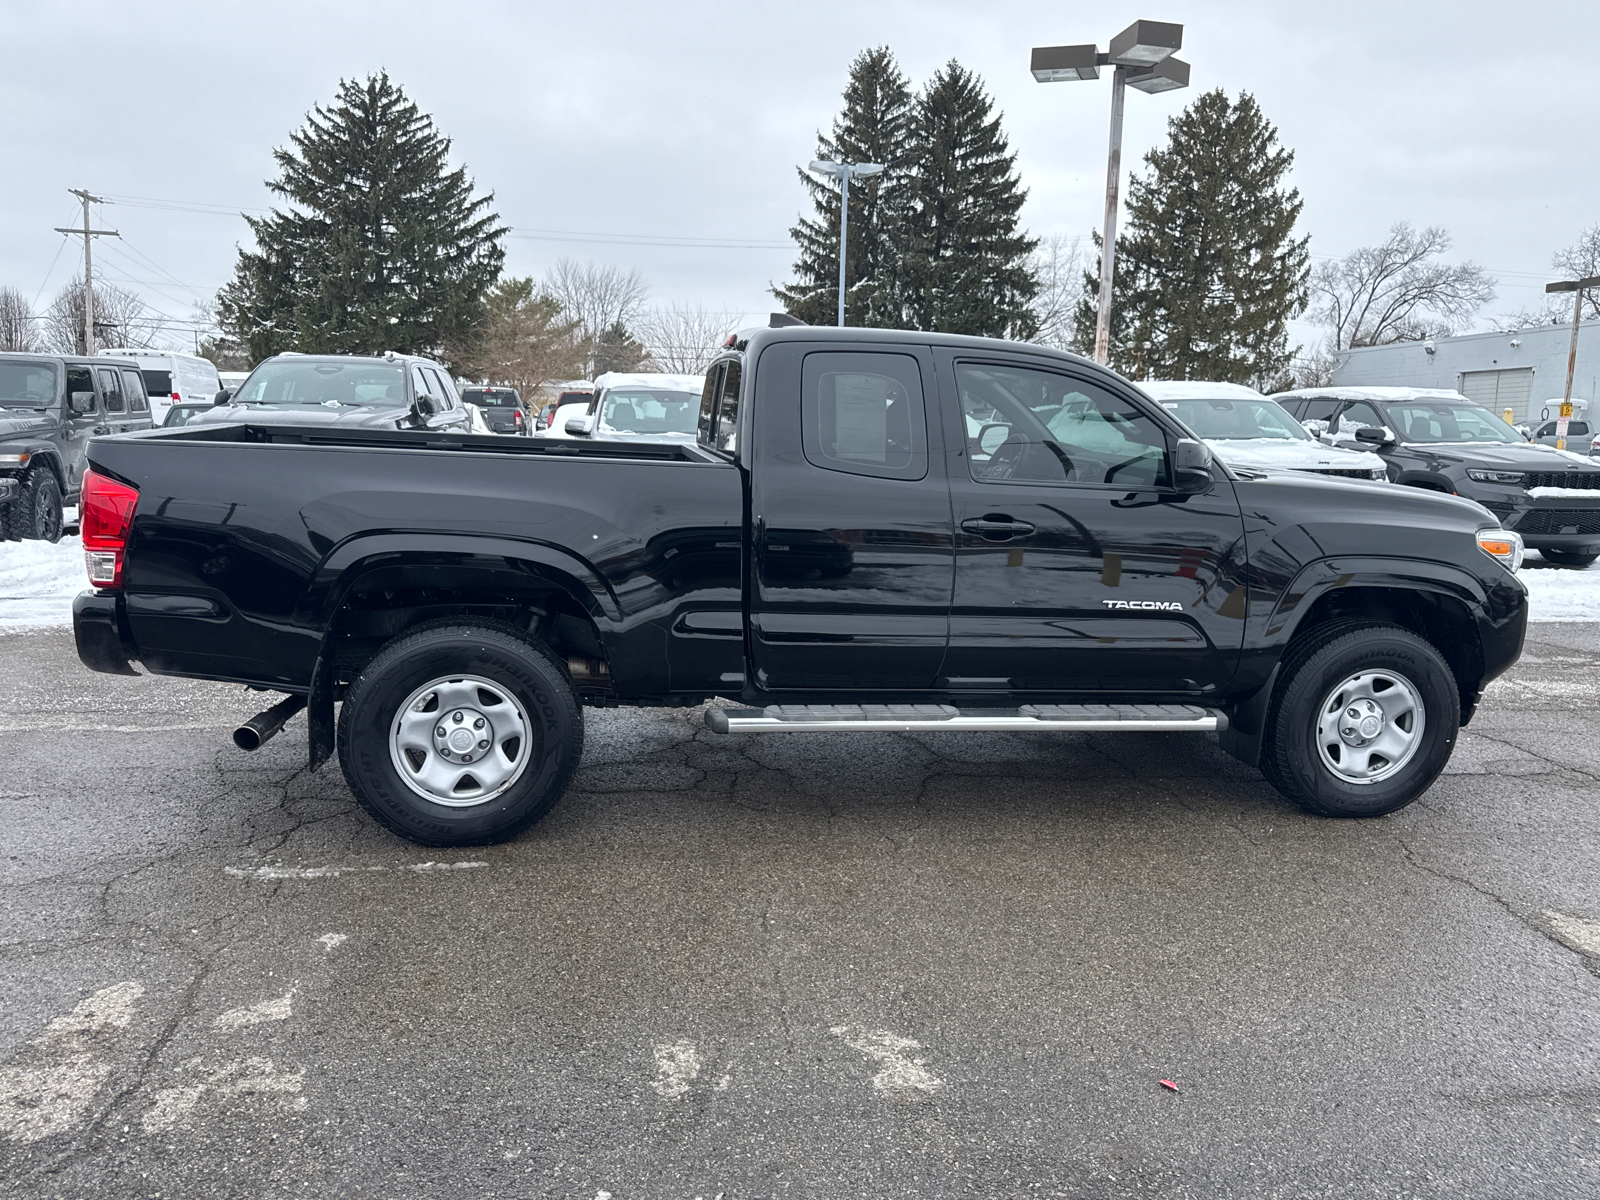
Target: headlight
x=1496, y=476
x=1379, y=473
x=1503, y=545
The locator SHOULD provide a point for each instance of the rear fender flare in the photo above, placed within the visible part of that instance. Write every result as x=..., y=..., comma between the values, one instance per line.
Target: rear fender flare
x=344, y=568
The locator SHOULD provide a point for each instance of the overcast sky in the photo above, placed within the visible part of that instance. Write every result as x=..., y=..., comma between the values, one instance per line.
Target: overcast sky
x=642, y=120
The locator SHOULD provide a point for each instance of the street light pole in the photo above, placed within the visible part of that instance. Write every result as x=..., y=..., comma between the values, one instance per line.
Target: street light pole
x=1575, y=286
x=843, y=171
x=1141, y=56
x=1108, y=249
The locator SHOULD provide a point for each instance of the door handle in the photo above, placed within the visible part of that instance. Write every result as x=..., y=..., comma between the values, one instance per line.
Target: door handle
x=996, y=527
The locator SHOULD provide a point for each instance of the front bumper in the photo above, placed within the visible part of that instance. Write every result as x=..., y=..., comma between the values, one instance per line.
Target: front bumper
x=97, y=629
x=1554, y=522
x=8, y=490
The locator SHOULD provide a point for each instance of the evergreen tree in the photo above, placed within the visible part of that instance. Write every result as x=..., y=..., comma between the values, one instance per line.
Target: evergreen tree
x=383, y=247
x=1208, y=272
x=618, y=350
x=966, y=264
x=874, y=126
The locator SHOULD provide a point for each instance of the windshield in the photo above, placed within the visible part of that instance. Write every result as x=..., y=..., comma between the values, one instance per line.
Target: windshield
x=181, y=414
x=1235, y=420
x=650, y=410
x=1428, y=421
x=334, y=384
x=491, y=397
x=27, y=384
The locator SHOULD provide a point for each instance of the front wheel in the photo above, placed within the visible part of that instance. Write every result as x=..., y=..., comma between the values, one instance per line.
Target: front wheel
x=36, y=513
x=1568, y=558
x=460, y=734
x=1363, y=722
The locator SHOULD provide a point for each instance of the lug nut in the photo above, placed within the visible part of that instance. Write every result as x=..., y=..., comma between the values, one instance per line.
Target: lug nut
x=456, y=718
x=439, y=732
x=478, y=724
x=445, y=753
x=483, y=745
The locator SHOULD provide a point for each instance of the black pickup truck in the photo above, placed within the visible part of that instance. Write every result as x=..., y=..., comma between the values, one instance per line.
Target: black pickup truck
x=876, y=531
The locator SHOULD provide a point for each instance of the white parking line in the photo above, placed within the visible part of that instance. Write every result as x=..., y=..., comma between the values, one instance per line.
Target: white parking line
x=280, y=1009
x=278, y=871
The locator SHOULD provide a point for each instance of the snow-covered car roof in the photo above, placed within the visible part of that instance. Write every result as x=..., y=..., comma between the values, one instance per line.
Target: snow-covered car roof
x=1197, y=389
x=1389, y=395
x=680, y=383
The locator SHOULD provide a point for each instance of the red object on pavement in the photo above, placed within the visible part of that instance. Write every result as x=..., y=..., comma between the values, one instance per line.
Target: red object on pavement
x=1169, y=1085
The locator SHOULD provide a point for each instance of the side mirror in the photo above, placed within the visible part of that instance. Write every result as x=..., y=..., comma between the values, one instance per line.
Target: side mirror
x=81, y=402
x=1316, y=427
x=1372, y=436
x=992, y=437
x=1191, y=467
x=578, y=426
x=422, y=408
x=222, y=397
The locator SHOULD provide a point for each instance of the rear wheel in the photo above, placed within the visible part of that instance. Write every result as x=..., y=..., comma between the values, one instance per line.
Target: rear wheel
x=1568, y=558
x=460, y=734
x=1363, y=721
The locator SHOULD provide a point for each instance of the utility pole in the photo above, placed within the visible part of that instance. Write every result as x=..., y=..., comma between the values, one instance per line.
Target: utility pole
x=88, y=263
x=1575, y=286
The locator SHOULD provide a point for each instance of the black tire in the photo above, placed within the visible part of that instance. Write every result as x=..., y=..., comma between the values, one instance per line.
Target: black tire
x=36, y=513
x=1568, y=558
x=508, y=659
x=1290, y=756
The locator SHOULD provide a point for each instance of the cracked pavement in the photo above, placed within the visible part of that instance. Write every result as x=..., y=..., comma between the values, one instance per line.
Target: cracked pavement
x=809, y=965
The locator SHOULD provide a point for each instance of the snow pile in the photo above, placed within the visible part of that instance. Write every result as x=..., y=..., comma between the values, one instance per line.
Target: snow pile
x=1561, y=493
x=1560, y=593
x=38, y=581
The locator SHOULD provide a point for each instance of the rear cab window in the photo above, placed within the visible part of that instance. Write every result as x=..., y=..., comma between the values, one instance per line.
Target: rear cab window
x=133, y=387
x=863, y=413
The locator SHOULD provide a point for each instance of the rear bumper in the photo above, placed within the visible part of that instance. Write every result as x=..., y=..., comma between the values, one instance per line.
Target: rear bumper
x=97, y=629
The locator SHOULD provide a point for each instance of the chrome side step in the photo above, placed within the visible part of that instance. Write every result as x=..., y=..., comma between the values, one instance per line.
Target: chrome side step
x=937, y=718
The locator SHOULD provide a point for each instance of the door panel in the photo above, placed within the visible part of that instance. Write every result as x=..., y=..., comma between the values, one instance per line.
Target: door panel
x=851, y=553
x=1078, y=569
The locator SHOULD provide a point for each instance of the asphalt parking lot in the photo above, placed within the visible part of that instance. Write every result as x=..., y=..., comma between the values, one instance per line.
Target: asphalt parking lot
x=796, y=966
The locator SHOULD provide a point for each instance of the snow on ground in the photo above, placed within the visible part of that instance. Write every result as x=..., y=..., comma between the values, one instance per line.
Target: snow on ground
x=38, y=582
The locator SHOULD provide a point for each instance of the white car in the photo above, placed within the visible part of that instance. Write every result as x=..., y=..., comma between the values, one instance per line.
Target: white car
x=1246, y=429
x=636, y=407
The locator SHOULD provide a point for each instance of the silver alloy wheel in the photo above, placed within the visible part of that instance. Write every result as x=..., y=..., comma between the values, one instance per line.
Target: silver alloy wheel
x=1370, y=726
x=460, y=741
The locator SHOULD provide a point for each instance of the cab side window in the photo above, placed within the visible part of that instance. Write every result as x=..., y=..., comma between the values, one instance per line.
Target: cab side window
x=422, y=385
x=134, y=387
x=727, y=437
x=111, y=389
x=80, y=379
x=1318, y=410
x=1033, y=426
x=863, y=413
x=708, y=404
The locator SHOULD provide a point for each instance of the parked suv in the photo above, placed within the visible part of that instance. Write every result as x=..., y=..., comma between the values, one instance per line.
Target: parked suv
x=501, y=407
x=392, y=391
x=1442, y=441
x=50, y=406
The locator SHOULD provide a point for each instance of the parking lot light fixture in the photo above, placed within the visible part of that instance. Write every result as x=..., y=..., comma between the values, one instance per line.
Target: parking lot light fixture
x=1142, y=57
x=844, y=172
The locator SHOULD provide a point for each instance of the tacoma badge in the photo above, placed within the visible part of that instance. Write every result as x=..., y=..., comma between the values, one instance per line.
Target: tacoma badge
x=1165, y=605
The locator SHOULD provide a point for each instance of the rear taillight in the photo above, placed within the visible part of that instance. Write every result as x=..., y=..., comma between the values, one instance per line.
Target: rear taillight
x=105, y=514
x=517, y=417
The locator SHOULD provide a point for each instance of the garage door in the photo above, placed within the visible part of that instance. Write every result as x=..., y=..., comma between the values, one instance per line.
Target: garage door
x=1499, y=389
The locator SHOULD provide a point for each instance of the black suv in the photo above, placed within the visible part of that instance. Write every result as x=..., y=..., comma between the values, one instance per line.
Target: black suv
x=502, y=408
x=391, y=391
x=1442, y=441
x=50, y=406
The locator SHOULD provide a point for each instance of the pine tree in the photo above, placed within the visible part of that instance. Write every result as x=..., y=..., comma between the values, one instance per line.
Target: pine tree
x=383, y=247
x=874, y=126
x=618, y=350
x=1209, y=272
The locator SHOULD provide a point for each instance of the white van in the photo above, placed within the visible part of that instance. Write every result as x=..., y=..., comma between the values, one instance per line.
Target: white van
x=172, y=377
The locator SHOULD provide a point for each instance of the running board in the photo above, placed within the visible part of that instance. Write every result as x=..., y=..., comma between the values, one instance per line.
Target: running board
x=943, y=718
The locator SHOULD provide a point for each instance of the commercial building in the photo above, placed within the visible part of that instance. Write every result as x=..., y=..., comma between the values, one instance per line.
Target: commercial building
x=1521, y=371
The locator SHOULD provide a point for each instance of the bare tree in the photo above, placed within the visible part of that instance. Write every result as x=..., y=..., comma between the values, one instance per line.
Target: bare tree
x=1316, y=368
x=596, y=296
x=19, y=328
x=1058, y=264
x=1581, y=260
x=120, y=319
x=683, y=339
x=1398, y=291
